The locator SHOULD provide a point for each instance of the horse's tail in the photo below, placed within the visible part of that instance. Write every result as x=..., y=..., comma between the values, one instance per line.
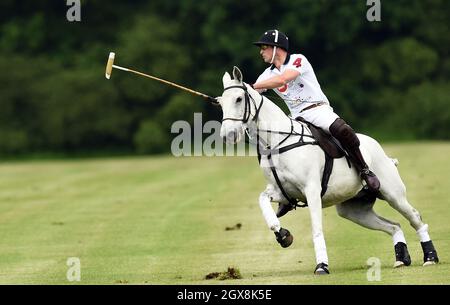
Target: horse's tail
x=376, y=147
x=395, y=161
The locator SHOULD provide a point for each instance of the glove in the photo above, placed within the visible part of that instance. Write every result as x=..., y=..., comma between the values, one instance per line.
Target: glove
x=214, y=100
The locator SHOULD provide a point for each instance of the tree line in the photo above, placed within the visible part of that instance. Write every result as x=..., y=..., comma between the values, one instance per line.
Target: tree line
x=388, y=78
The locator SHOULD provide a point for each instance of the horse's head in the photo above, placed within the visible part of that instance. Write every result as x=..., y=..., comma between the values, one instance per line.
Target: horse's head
x=236, y=107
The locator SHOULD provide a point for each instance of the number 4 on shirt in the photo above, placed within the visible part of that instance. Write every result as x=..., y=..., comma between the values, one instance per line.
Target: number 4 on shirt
x=298, y=62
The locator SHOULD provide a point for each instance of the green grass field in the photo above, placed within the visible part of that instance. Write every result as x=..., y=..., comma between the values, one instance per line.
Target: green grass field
x=162, y=220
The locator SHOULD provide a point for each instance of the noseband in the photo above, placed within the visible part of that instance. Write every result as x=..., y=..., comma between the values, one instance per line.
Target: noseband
x=247, y=106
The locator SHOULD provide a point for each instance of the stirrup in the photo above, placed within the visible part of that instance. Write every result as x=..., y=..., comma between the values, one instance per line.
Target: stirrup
x=366, y=172
x=372, y=182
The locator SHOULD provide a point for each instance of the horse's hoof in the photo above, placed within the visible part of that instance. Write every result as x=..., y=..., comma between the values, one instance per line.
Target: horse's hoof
x=321, y=269
x=284, y=238
x=402, y=257
x=430, y=256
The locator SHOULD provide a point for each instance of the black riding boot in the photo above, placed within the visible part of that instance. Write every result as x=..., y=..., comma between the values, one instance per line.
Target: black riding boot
x=347, y=137
x=372, y=181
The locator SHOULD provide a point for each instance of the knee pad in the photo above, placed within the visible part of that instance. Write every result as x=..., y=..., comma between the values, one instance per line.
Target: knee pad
x=344, y=133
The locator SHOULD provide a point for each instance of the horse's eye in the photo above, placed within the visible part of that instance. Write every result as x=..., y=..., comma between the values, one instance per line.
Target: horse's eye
x=239, y=99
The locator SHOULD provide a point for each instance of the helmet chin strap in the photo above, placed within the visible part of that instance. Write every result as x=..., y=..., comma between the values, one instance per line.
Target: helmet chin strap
x=273, y=54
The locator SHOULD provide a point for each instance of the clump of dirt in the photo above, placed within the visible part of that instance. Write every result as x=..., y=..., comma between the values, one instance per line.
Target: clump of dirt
x=231, y=274
x=212, y=275
x=235, y=227
x=121, y=282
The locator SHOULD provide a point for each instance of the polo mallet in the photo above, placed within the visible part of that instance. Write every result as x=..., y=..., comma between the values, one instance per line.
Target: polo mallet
x=110, y=65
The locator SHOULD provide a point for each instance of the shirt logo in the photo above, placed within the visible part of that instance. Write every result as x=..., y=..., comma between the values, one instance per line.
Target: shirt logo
x=283, y=89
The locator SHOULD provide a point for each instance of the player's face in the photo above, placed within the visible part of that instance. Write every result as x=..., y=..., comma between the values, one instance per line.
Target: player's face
x=266, y=52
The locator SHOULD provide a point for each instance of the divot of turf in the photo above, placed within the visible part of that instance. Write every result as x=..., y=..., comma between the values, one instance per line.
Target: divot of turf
x=231, y=274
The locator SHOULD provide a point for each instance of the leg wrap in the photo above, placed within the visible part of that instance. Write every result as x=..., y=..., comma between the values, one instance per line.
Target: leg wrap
x=269, y=214
x=423, y=233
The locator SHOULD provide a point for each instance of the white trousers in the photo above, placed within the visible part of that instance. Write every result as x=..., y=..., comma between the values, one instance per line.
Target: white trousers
x=322, y=116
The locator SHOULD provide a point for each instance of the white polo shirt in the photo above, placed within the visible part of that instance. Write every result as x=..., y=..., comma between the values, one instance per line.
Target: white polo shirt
x=301, y=92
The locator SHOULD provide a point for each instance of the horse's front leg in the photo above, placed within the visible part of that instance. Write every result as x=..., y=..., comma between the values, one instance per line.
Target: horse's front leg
x=312, y=193
x=282, y=235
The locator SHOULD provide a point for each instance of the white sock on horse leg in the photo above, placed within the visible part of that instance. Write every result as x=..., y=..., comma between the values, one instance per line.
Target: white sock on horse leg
x=398, y=237
x=269, y=214
x=423, y=233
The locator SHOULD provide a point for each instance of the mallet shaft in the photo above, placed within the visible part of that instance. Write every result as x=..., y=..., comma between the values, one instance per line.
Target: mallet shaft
x=163, y=81
x=110, y=66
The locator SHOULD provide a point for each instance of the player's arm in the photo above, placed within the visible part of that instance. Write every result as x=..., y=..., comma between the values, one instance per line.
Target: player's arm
x=278, y=80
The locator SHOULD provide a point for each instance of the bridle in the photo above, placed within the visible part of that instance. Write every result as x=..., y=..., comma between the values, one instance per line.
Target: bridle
x=247, y=106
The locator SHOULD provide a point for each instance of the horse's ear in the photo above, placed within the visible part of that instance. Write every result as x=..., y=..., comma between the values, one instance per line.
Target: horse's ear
x=226, y=79
x=237, y=74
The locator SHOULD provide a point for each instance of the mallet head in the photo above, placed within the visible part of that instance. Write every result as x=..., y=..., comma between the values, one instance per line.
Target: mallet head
x=109, y=65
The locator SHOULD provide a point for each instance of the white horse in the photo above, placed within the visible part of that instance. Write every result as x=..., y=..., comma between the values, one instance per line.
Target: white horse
x=299, y=171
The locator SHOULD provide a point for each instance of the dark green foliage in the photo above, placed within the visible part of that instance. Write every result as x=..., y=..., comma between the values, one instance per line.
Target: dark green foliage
x=150, y=138
x=389, y=79
x=430, y=118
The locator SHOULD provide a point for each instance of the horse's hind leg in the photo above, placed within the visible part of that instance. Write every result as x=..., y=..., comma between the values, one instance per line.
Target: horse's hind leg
x=360, y=211
x=401, y=204
x=395, y=195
